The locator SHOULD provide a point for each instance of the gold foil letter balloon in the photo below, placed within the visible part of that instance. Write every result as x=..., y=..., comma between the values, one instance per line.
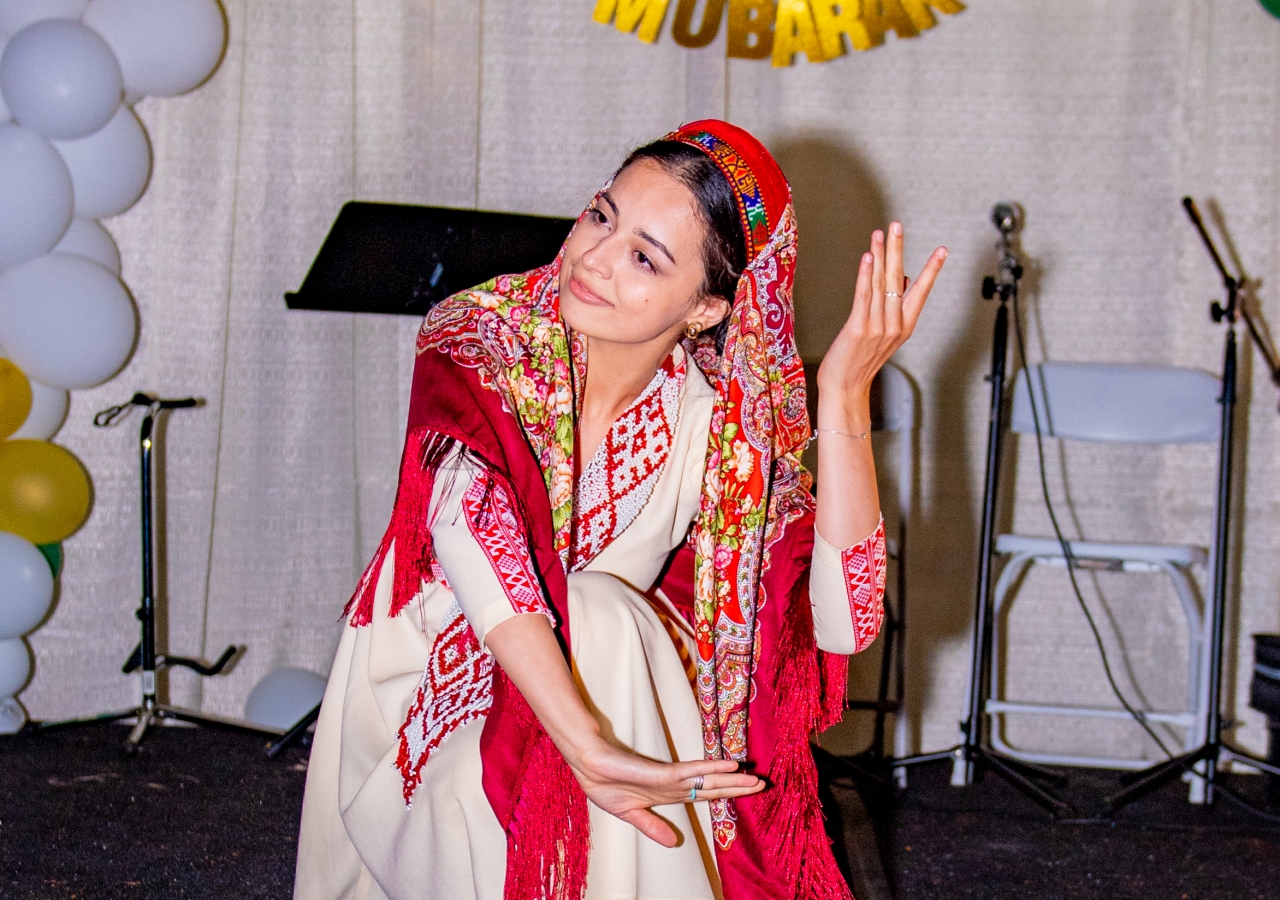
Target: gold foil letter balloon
x=15, y=398
x=44, y=491
x=681, y=26
x=794, y=32
x=751, y=28
x=627, y=14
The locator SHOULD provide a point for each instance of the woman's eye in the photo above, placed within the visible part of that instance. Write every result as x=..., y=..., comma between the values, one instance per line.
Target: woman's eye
x=598, y=216
x=644, y=261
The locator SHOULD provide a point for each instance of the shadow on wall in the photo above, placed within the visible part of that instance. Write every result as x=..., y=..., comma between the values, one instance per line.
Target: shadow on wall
x=838, y=204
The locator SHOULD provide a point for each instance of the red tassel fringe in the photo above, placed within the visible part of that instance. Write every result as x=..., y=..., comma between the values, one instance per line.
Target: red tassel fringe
x=409, y=529
x=813, y=683
x=549, y=835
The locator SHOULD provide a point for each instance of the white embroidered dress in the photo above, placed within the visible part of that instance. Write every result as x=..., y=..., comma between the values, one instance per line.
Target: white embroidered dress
x=376, y=823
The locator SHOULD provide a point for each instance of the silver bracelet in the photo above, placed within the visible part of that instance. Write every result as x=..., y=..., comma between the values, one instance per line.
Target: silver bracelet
x=857, y=437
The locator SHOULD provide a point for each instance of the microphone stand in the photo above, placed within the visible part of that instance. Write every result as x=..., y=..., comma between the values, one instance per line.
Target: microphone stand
x=1214, y=751
x=975, y=750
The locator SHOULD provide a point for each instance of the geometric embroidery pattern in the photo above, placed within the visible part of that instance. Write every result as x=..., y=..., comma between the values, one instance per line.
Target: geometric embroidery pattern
x=491, y=516
x=455, y=689
x=618, y=481
x=864, y=573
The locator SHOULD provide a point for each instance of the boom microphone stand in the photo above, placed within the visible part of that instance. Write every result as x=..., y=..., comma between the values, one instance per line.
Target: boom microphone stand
x=144, y=655
x=1214, y=751
x=975, y=750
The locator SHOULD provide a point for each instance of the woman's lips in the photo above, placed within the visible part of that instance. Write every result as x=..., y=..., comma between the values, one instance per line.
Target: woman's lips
x=582, y=293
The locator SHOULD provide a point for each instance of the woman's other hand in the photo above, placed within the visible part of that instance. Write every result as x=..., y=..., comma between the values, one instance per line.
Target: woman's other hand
x=886, y=306
x=617, y=781
x=627, y=786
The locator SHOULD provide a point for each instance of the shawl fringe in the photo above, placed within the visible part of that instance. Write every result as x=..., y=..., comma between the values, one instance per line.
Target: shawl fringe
x=549, y=832
x=409, y=531
x=813, y=683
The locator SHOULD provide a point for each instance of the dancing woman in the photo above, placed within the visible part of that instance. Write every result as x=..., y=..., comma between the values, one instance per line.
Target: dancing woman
x=589, y=653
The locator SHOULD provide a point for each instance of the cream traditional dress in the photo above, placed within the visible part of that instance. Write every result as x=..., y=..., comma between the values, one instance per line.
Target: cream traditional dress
x=375, y=826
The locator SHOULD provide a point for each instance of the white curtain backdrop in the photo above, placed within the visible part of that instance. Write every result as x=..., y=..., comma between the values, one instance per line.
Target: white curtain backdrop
x=1096, y=116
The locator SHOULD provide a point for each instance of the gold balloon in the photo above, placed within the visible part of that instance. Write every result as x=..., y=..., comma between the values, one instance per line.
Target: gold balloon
x=15, y=398
x=794, y=32
x=44, y=491
x=627, y=15
x=682, y=25
x=748, y=19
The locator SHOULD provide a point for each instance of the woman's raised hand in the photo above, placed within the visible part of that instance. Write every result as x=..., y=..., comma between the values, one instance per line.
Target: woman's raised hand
x=626, y=786
x=886, y=306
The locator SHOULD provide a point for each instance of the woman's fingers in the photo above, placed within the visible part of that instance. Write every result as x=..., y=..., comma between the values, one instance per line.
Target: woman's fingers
x=862, y=291
x=651, y=826
x=876, y=319
x=919, y=292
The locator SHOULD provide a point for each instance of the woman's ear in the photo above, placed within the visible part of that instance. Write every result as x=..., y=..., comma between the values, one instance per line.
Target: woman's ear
x=713, y=311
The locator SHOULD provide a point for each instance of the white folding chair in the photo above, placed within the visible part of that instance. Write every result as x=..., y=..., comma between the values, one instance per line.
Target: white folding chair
x=1113, y=403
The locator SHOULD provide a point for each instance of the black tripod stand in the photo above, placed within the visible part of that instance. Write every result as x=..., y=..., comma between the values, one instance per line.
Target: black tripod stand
x=1205, y=760
x=144, y=655
x=976, y=751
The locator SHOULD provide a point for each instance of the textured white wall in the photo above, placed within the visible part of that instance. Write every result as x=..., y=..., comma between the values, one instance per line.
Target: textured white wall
x=1097, y=116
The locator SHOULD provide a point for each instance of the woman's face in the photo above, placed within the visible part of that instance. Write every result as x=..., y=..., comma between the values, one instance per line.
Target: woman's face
x=633, y=267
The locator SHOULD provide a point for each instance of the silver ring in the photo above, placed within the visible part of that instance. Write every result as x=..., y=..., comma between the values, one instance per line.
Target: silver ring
x=888, y=294
x=698, y=782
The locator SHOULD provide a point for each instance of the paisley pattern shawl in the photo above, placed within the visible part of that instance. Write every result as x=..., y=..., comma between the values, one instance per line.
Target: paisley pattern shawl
x=758, y=420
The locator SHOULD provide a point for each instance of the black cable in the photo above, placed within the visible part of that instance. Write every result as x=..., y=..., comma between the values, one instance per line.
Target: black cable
x=1067, y=555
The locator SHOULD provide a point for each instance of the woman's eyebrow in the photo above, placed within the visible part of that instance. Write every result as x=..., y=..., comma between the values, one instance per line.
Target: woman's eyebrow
x=657, y=243
x=639, y=232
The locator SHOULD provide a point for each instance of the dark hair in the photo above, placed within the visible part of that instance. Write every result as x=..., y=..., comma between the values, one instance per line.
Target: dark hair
x=724, y=252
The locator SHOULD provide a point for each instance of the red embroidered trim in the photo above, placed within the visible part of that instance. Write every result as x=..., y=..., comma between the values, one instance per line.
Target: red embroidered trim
x=864, y=573
x=491, y=516
x=618, y=481
x=456, y=688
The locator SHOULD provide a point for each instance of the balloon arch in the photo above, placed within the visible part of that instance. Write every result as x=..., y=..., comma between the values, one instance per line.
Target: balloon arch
x=72, y=151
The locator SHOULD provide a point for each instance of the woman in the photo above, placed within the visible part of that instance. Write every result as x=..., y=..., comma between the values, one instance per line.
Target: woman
x=602, y=579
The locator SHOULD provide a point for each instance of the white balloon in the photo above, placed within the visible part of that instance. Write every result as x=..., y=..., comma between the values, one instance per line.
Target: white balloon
x=165, y=47
x=5, y=115
x=284, y=696
x=109, y=168
x=12, y=716
x=48, y=412
x=60, y=79
x=87, y=238
x=26, y=586
x=35, y=195
x=15, y=666
x=66, y=321
x=16, y=15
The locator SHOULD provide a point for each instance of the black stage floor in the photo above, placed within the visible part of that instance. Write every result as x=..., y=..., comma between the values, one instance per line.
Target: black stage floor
x=204, y=814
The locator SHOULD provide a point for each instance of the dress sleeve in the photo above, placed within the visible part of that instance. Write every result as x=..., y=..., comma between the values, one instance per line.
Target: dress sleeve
x=480, y=549
x=846, y=588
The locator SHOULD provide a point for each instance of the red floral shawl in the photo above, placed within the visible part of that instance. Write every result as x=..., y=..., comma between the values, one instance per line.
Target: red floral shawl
x=495, y=373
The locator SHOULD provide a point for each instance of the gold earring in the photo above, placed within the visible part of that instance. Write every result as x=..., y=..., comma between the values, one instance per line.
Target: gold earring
x=692, y=330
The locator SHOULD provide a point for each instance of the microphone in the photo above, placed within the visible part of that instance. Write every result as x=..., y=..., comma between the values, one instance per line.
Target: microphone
x=1007, y=217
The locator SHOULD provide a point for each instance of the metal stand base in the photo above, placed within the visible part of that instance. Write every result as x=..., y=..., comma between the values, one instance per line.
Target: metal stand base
x=151, y=713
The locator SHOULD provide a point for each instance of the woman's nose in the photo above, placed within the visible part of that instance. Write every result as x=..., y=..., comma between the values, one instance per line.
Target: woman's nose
x=596, y=258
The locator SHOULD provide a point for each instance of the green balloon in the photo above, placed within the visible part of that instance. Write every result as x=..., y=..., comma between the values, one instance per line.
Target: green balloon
x=1271, y=6
x=53, y=553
